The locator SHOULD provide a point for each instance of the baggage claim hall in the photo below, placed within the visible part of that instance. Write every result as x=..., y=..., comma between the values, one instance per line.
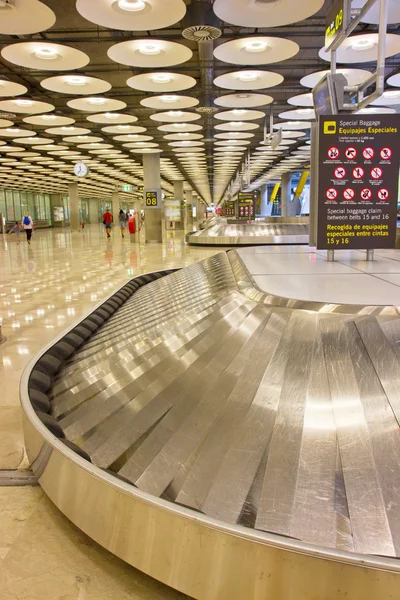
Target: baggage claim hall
x=199, y=300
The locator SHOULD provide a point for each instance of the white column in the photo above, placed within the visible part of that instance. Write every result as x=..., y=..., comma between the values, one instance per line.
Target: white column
x=74, y=207
x=189, y=205
x=152, y=183
x=286, y=193
x=178, y=196
x=93, y=211
x=265, y=209
x=115, y=206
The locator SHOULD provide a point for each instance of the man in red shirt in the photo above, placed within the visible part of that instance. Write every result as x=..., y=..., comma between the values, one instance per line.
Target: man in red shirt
x=107, y=221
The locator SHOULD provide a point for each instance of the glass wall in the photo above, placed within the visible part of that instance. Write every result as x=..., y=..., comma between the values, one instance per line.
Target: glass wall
x=14, y=203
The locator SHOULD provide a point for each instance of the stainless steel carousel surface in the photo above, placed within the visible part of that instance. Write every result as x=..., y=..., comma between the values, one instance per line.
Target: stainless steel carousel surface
x=232, y=444
x=253, y=234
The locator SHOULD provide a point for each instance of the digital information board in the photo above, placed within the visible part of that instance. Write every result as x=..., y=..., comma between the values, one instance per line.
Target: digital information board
x=358, y=181
x=151, y=199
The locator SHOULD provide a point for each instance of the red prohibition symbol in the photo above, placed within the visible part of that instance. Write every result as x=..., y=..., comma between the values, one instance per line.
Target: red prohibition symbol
x=376, y=173
x=386, y=153
x=333, y=152
x=366, y=194
x=340, y=172
x=358, y=173
x=348, y=194
x=331, y=194
x=383, y=194
x=368, y=153
x=350, y=153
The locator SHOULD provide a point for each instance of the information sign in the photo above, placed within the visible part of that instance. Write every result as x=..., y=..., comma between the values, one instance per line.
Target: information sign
x=246, y=206
x=357, y=196
x=230, y=208
x=151, y=199
x=335, y=22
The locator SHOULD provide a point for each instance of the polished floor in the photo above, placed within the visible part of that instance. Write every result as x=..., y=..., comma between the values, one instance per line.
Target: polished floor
x=44, y=288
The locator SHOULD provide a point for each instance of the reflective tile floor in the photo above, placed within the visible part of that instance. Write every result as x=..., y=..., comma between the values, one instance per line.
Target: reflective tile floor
x=44, y=288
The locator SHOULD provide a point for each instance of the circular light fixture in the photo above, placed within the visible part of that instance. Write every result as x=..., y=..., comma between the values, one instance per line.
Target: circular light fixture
x=161, y=78
x=175, y=113
x=239, y=111
x=179, y=125
x=305, y=111
x=75, y=80
x=123, y=126
x=46, y=53
x=391, y=93
x=111, y=115
x=247, y=76
x=48, y=117
x=150, y=49
x=256, y=46
x=363, y=43
x=96, y=100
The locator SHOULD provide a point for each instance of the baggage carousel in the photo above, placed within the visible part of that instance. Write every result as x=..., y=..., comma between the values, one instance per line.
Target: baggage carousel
x=230, y=443
x=254, y=234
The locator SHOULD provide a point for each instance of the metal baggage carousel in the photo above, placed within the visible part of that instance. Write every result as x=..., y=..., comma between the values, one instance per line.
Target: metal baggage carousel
x=254, y=234
x=227, y=442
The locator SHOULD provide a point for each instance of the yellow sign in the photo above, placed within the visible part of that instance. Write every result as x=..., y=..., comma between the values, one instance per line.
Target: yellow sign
x=275, y=192
x=301, y=184
x=151, y=199
x=330, y=127
x=334, y=22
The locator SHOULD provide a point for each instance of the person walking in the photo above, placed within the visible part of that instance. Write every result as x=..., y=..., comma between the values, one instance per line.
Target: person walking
x=17, y=230
x=107, y=221
x=27, y=225
x=122, y=222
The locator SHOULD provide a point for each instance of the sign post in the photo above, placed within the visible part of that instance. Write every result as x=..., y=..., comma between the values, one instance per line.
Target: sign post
x=358, y=182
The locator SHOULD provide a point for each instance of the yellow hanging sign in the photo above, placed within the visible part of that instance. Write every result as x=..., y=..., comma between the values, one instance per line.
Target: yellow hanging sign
x=275, y=191
x=301, y=184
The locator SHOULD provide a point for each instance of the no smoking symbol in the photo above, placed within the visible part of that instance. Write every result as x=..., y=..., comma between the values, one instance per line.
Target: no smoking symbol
x=368, y=153
x=348, y=194
x=376, y=173
x=333, y=152
x=358, y=173
x=350, y=153
x=386, y=153
x=331, y=194
x=340, y=172
x=366, y=194
x=383, y=194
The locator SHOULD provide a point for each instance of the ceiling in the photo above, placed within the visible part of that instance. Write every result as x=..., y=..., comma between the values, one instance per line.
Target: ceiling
x=197, y=163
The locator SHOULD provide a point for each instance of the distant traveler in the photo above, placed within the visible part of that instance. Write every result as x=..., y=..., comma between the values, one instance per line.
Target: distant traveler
x=27, y=225
x=17, y=230
x=122, y=222
x=107, y=221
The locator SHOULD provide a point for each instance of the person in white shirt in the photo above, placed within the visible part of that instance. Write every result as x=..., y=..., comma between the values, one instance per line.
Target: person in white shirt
x=27, y=225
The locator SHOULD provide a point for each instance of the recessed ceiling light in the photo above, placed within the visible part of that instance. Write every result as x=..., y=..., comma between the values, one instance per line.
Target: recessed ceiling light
x=362, y=43
x=239, y=111
x=111, y=115
x=96, y=100
x=122, y=126
x=75, y=80
x=68, y=128
x=256, y=46
x=46, y=53
x=161, y=78
x=175, y=113
x=179, y=125
x=132, y=5
x=22, y=102
x=48, y=117
x=247, y=76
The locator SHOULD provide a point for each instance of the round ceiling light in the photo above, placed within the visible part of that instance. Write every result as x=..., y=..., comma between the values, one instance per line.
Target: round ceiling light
x=93, y=104
x=114, y=118
x=23, y=105
x=22, y=17
x=363, y=48
x=175, y=116
x=239, y=115
x=45, y=56
x=165, y=82
x=265, y=14
x=247, y=100
x=75, y=84
x=179, y=127
x=147, y=53
x=46, y=120
x=132, y=15
x=9, y=88
x=353, y=76
x=161, y=102
x=372, y=15
x=248, y=80
x=256, y=50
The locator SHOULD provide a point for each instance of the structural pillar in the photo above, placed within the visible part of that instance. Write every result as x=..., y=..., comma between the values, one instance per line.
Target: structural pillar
x=266, y=205
x=152, y=183
x=74, y=207
x=189, y=208
x=178, y=195
x=115, y=206
x=286, y=194
x=94, y=211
